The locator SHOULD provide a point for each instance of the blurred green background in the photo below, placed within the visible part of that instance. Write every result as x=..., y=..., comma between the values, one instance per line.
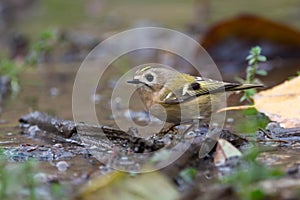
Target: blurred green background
x=100, y=16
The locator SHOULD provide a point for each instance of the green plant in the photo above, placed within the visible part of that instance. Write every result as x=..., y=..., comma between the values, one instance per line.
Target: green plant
x=3, y=176
x=251, y=120
x=252, y=70
x=17, y=178
x=245, y=180
x=292, y=77
x=39, y=49
x=188, y=174
x=10, y=69
x=43, y=46
x=57, y=191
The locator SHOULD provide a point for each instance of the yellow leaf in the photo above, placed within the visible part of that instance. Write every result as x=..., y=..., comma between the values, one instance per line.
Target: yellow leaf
x=281, y=103
x=121, y=185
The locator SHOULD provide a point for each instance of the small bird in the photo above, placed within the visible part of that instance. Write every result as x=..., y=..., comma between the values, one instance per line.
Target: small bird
x=176, y=97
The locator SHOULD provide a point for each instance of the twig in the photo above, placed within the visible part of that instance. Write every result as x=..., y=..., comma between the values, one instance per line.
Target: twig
x=235, y=108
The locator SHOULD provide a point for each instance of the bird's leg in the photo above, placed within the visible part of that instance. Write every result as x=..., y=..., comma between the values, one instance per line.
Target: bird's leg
x=169, y=128
x=192, y=126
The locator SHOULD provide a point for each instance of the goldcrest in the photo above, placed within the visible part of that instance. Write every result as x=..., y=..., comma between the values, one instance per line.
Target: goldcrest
x=176, y=97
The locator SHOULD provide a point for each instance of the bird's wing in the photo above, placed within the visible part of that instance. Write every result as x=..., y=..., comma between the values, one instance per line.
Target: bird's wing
x=200, y=87
x=191, y=90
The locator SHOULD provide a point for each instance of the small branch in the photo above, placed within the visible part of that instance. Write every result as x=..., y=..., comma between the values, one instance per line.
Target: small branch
x=64, y=128
x=68, y=129
x=265, y=133
x=235, y=108
x=273, y=140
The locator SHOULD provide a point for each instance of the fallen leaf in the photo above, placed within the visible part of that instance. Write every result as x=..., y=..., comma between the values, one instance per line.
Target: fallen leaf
x=281, y=103
x=251, y=27
x=121, y=185
x=225, y=151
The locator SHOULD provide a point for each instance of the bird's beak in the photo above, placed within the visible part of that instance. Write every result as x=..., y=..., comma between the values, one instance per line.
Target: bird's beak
x=134, y=81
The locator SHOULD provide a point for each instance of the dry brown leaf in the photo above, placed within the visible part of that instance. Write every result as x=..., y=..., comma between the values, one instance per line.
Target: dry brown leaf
x=281, y=103
x=246, y=26
x=225, y=151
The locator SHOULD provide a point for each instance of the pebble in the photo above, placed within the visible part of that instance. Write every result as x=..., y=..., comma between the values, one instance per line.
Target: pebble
x=62, y=166
x=54, y=91
x=230, y=120
x=58, y=145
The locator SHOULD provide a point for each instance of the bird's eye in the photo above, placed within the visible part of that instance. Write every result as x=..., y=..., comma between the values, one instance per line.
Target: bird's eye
x=149, y=77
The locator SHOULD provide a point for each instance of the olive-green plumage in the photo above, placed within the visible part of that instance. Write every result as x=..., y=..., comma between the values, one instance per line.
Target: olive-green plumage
x=175, y=97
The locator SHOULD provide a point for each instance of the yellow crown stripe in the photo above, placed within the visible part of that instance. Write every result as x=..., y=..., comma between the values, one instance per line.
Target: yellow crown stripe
x=145, y=68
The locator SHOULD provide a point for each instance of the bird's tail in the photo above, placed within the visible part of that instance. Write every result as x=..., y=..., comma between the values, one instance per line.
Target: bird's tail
x=243, y=87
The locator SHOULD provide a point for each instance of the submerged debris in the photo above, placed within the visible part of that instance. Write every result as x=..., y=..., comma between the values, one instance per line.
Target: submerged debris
x=275, y=133
x=43, y=152
x=48, y=123
x=114, y=146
